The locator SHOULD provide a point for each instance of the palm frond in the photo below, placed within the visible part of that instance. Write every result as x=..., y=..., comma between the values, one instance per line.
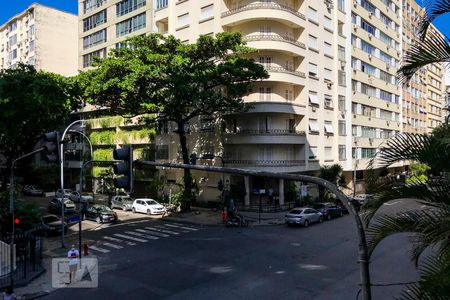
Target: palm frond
x=434, y=283
x=433, y=10
x=434, y=48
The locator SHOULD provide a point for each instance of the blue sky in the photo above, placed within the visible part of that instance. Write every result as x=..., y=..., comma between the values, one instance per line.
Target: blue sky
x=9, y=8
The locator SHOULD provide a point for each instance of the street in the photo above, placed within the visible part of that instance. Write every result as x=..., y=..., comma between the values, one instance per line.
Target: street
x=148, y=260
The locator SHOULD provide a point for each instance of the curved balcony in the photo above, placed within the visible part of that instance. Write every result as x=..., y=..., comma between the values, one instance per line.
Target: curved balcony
x=277, y=107
x=276, y=42
x=264, y=10
x=281, y=74
x=265, y=163
x=270, y=136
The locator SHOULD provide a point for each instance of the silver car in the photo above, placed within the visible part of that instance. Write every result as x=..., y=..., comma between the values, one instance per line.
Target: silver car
x=303, y=216
x=123, y=202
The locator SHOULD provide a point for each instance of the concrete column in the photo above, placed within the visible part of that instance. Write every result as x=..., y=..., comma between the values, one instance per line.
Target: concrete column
x=281, y=191
x=247, y=190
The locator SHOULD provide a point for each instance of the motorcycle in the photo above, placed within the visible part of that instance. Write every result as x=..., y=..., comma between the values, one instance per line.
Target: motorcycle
x=236, y=221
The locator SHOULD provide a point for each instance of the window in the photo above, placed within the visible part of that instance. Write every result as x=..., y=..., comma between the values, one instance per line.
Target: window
x=366, y=47
x=94, y=20
x=341, y=53
x=160, y=4
x=89, y=5
x=94, y=39
x=313, y=126
x=386, y=96
x=368, y=152
x=13, y=54
x=265, y=30
x=312, y=42
x=88, y=59
x=327, y=74
x=127, y=6
x=368, y=69
x=289, y=95
x=342, y=152
x=386, y=77
x=133, y=24
x=368, y=90
x=342, y=78
x=385, y=38
x=367, y=27
x=385, y=57
x=341, y=5
x=31, y=31
x=265, y=60
x=341, y=28
x=183, y=20
x=313, y=99
x=207, y=12
x=32, y=61
x=312, y=70
x=386, y=20
x=328, y=24
x=342, y=128
x=312, y=152
x=328, y=101
x=327, y=49
x=265, y=93
x=368, y=6
x=312, y=14
x=12, y=26
x=31, y=46
x=341, y=103
x=368, y=132
x=328, y=153
x=13, y=40
x=206, y=124
x=207, y=149
x=162, y=152
x=386, y=115
x=328, y=128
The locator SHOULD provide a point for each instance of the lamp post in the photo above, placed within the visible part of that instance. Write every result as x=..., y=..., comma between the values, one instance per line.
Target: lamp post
x=61, y=166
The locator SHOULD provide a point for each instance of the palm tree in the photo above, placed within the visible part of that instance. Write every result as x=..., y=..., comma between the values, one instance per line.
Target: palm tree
x=430, y=227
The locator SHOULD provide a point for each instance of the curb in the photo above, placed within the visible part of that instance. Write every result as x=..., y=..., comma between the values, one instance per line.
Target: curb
x=33, y=296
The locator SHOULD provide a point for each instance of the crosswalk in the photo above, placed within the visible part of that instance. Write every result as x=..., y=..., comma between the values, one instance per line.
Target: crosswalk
x=136, y=236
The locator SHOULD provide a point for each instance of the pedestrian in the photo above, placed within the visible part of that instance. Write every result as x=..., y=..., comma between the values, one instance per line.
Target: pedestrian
x=270, y=194
x=73, y=255
x=8, y=294
x=224, y=214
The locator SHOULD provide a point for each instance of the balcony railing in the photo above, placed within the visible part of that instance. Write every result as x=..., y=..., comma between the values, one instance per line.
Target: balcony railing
x=283, y=70
x=270, y=163
x=263, y=5
x=274, y=37
x=267, y=132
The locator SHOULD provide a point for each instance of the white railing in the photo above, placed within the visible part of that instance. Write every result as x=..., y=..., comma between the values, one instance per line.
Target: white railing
x=263, y=5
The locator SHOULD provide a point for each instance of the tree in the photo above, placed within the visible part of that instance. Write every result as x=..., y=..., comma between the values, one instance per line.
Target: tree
x=430, y=226
x=31, y=102
x=331, y=173
x=177, y=81
x=418, y=173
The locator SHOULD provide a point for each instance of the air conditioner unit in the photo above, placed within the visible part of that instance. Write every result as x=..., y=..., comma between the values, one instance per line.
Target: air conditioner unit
x=370, y=56
x=342, y=64
x=354, y=115
x=370, y=14
x=387, y=66
x=329, y=84
x=371, y=140
x=370, y=36
x=313, y=108
x=388, y=123
x=355, y=27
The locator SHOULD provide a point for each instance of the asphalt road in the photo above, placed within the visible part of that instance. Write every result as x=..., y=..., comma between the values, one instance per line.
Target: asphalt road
x=265, y=262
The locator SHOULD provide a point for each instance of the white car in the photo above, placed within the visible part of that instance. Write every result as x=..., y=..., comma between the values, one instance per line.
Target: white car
x=63, y=193
x=147, y=206
x=75, y=197
x=363, y=198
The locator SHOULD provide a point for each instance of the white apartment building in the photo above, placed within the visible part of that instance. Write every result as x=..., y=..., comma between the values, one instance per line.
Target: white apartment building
x=43, y=37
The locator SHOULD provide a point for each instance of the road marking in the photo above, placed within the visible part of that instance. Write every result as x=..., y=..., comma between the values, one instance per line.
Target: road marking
x=147, y=236
x=153, y=232
x=119, y=240
x=130, y=238
x=182, y=227
x=163, y=229
x=112, y=245
x=99, y=249
x=128, y=223
x=392, y=203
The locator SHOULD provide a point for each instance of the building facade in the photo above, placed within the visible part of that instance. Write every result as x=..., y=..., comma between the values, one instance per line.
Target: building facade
x=41, y=36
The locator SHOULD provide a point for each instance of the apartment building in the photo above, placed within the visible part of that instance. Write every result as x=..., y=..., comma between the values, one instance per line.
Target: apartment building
x=103, y=24
x=423, y=98
x=41, y=36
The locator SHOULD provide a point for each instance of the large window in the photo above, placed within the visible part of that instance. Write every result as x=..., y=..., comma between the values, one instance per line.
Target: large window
x=94, y=39
x=312, y=69
x=312, y=42
x=368, y=132
x=160, y=4
x=133, y=24
x=342, y=78
x=341, y=5
x=328, y=50
x=386, y=57
x=366, y=47
x=368, y=6
x=368, y=90
x=386, y=77
x=385, y=38
x=207, y=12
x=94, y=20
x=341, y=53
x=13, y=40
x=342, y=128
x=89, y=5
x=342, y=152
x=341, y=103
x=312, y=14
x=386, y=96
x=368, y=69
x=127, y=6
x=88, y=59
x=368, y=152
x=183, y=20
x=367, y=27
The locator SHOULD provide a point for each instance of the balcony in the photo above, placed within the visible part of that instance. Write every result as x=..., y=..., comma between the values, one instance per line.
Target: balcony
x=281, y=74
x=277, y=107
x=270, y=136
x=264, y=10
x=266, y=163
x=275, y=42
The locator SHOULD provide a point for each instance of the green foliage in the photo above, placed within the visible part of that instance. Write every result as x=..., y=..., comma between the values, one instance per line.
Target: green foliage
x=106, y=122
x=103, y=154
x=31, y=103
x=49, y=182
x=103, y=137
x=333, y=174
x=100, y=172
x=129, y=136
x=418, y=173
x=178, y=82
x=107, y=176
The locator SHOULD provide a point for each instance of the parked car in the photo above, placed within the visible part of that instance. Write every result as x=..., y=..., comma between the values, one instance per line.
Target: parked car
x=100, y=214
x=55, y=205
x=329, y=210
x=75, y=196
x=63, y=193
x=148, y=206
x=32, y=190
x=353, y=202
x=123, y=202
x=303, y=216
x=51, y=225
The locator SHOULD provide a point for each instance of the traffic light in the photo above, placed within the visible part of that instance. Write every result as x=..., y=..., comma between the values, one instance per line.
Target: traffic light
x=52, y=143
x=16, y=221
x=124, y=168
